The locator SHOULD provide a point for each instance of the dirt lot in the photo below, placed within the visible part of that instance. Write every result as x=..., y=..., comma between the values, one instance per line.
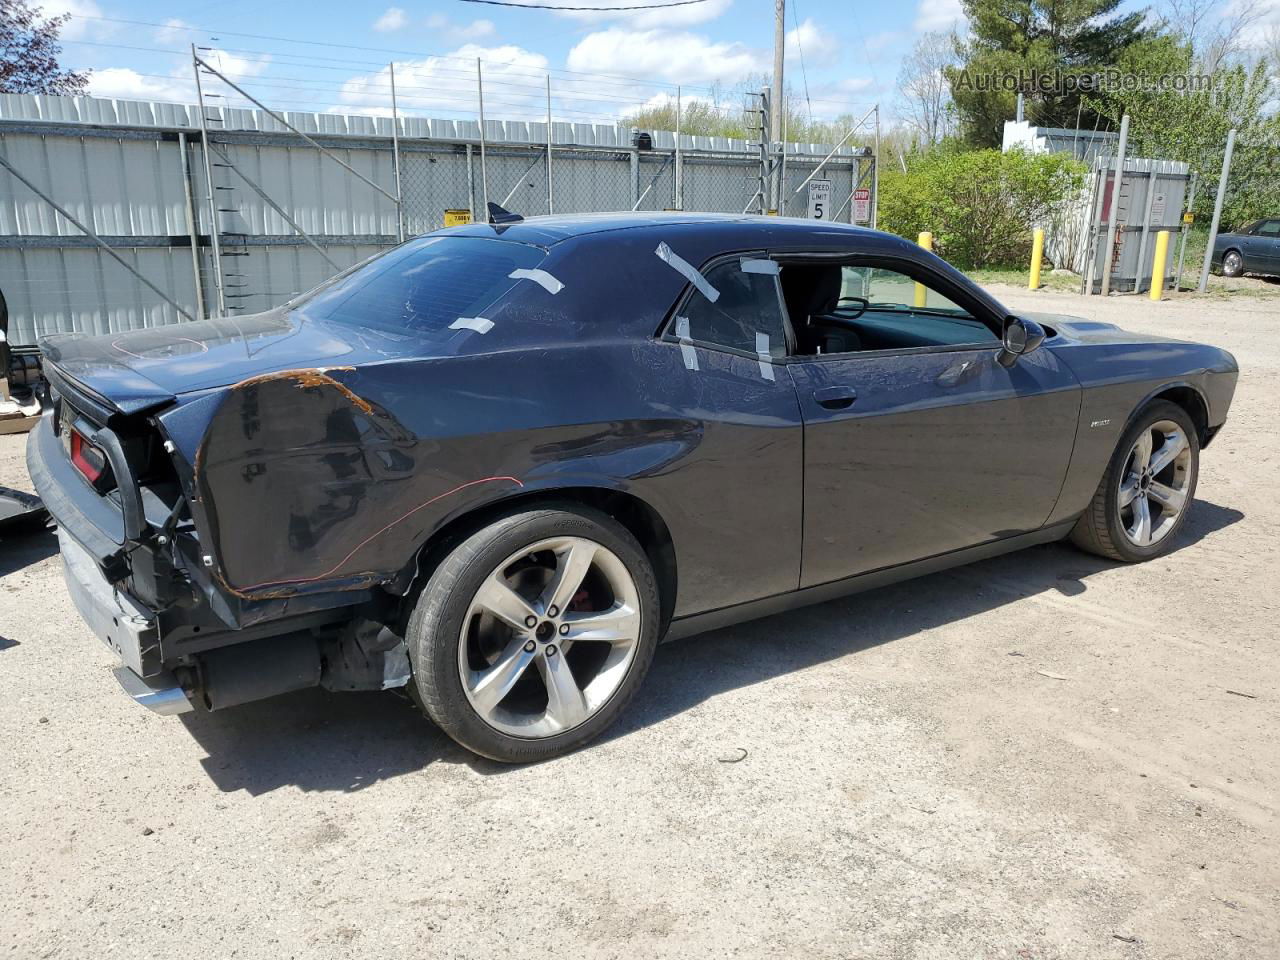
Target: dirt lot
x=913, y=785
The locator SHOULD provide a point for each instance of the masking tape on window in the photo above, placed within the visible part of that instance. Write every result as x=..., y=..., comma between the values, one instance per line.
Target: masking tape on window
x=688, y=270
x=767, y=267
x=540, y=277
x=766, y=360
x=478, y=324
x=686, y=348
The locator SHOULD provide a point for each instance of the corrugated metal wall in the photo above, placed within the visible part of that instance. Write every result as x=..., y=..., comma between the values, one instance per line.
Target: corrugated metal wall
x=117, y=167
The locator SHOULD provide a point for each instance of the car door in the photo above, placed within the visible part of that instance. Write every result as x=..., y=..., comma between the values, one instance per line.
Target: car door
x=917, y=441
x=723, y=369
x=1268, y=247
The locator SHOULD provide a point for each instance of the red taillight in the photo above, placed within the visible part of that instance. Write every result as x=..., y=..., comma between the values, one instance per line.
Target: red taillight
x=89, y=460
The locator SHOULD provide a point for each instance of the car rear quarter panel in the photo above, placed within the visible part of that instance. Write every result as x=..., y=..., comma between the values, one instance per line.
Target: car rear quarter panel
x=1119, y=377
x=316, y=480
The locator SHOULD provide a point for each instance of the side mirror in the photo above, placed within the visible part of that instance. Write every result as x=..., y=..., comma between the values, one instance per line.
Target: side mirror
x=1021, y=337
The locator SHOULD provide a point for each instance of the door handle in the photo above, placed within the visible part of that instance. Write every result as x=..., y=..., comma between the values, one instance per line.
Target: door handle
x=835, y=398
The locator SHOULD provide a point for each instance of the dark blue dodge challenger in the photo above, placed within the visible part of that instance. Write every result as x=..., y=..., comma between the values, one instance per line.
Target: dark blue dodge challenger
x=498, y=463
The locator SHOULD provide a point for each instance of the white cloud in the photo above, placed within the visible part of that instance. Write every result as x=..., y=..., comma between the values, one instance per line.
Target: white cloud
x=458, y=32
x=663, y=54
x=939, y=14
x=513, y=88
x=815, y=43
x=476, y=30
x=174, y=31
x=77, y=27
x=666, y=18
x=393, y=18
x=123, y=83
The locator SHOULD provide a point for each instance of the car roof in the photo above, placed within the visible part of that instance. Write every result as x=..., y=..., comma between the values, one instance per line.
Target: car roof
x=546, y=231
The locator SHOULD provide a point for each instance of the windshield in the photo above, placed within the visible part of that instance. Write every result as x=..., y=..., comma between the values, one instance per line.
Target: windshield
x=422, y=286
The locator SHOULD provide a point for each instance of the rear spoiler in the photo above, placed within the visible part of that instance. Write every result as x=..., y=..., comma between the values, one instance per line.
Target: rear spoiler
x=115, y=390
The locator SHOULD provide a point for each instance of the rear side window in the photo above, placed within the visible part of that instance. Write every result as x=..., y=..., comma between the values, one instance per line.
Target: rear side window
x=423, y=286
x=748, y=305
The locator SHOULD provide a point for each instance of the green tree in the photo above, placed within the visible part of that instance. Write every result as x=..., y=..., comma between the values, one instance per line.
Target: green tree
x=29, y=53
x=1191, y=125
x=1009, y=36
x=980, y=205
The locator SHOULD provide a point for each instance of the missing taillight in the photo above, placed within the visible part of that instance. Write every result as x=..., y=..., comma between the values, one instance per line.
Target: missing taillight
x=88, y=459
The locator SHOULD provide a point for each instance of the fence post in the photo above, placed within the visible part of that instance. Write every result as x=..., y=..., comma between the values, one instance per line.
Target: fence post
x=1186, y=229
x=471, y=185
x=395, y=153
x=1114, y=218
x=635, y=177
x=551, y=207
x=875, y=175
x=1099, y=177
x=484, y=173
x=677, y=199
x=215, y=244
x=1146, y=229
x=193, y=225
x=1217, y=210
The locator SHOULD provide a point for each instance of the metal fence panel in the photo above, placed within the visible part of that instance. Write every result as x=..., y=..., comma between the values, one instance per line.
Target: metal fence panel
x=81, y=289
x=719, y=184
x=123, y=187
x=657, y=181
x=591, y=181
x=434, y=179
x=116, y=166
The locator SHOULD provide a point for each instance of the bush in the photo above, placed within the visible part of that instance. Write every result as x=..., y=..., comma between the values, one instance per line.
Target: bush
x=981, y=206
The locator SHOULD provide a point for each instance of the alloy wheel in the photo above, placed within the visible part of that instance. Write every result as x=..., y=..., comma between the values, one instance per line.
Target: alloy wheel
x=549, y=637
x=1155, y=484
x=1232, y=264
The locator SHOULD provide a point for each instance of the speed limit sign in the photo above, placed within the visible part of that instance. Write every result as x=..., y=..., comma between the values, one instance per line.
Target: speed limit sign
x=819, y=199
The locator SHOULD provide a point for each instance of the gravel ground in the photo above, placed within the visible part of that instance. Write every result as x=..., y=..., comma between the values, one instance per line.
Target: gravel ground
x=911, y=783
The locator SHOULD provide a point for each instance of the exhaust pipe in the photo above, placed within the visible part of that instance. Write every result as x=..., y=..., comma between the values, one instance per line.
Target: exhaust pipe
x=230, y=676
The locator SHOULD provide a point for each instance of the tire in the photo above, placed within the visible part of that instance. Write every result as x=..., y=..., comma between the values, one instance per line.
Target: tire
x=1232, y=264
x=481, y=678
x=1110, y=527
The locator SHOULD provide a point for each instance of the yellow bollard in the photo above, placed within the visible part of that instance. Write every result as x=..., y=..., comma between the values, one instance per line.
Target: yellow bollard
x=1037, y=255
x=1157, y=266
x=922, y=292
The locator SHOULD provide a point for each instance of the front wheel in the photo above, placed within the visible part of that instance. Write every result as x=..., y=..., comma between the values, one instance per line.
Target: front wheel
x=1147, y=489
x=534, y=633
x=1232, y=264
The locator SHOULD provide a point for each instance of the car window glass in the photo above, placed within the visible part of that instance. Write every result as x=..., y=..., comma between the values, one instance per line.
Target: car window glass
x=899, y=314
x=1270, y=229
x=423, y=286
x=747, y=305
x=890, y=289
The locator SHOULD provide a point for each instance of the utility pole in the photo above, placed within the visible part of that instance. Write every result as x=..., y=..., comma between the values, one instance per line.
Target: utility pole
x=775, y=120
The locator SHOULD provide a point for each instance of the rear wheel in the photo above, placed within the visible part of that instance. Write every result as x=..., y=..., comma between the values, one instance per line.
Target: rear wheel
x=1232, y=264
x=1144, y=496
x=534, y=633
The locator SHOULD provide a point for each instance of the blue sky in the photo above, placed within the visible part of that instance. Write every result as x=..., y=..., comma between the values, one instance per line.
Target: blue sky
x=601, y=64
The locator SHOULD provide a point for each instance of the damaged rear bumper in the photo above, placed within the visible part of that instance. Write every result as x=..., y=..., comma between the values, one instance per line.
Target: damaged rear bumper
x=125, y=626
